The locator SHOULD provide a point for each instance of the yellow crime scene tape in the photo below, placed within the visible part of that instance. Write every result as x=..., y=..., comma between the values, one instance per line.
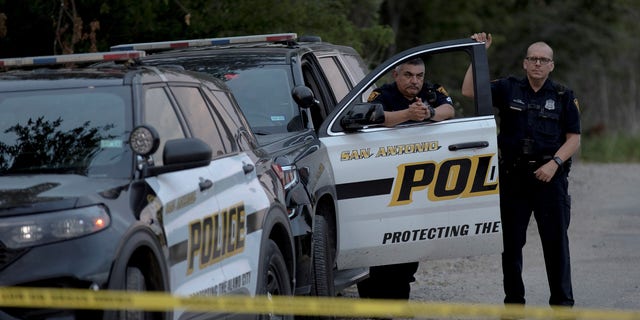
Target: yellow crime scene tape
x=299, y=305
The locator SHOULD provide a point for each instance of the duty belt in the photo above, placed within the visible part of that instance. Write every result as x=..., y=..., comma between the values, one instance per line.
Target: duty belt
x=527, y=162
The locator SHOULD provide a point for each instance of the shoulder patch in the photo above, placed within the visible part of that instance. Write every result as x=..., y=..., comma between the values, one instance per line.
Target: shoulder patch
x=373, y=96
x=575, y=101
x=442, y=90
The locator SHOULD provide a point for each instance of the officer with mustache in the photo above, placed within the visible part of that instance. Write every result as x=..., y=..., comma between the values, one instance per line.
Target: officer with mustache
x=409, y=99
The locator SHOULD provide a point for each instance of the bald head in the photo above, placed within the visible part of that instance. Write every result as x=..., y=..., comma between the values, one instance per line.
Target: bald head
x=540, y=46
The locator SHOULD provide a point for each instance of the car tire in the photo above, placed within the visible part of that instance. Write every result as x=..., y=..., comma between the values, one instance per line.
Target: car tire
x=135, y=281
x=323, y=284
x=274, y=276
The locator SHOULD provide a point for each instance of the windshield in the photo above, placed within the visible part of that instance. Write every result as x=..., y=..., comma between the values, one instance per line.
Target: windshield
x=263, y=90
x=69, y=131
x=264, y=95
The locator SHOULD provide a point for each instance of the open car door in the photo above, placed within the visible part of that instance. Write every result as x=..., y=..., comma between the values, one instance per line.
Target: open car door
x=417, y=191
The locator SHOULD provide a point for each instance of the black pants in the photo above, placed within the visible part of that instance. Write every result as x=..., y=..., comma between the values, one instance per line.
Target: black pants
x=388, y=281
x=520, y=195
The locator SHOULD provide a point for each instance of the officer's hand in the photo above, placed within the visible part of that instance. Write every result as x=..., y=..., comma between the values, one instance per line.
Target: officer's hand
x=546, y=171
x=483, y=37
x=417, y=111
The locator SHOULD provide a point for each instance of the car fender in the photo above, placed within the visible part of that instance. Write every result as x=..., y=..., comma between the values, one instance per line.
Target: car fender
x=138, y=237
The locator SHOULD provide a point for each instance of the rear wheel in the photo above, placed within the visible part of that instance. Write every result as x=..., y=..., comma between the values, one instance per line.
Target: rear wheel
x=323, y=284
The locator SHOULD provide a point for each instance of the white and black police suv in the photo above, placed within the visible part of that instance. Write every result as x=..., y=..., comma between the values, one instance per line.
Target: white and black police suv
x=414, y=192
x=122, y=177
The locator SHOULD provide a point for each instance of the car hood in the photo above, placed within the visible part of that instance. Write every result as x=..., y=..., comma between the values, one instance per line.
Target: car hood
x=38, y=193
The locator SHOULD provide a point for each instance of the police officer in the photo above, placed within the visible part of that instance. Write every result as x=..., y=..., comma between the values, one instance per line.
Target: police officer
x=539, y=133
x=408, y=99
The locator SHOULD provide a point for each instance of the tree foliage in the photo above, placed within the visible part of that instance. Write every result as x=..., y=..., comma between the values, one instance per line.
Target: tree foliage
x=595, y=42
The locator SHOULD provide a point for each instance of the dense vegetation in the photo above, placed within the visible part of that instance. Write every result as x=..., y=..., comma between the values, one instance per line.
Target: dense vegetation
x=596, y=43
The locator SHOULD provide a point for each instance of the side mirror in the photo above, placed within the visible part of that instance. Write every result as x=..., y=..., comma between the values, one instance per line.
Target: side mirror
x=303, y=96
x=181, y=154
x=362, y=115
x=188, y=152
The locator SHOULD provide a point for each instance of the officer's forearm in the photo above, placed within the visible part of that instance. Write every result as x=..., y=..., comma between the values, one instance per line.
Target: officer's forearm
x=392, y=118
x=443, y=112
x=569, y=147
x=467, y=84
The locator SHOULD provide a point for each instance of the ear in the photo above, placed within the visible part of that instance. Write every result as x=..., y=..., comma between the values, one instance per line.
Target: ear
x=552, y=65
x=524, y=64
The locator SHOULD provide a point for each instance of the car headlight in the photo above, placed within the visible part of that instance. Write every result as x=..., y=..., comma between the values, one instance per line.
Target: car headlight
x=38, y=229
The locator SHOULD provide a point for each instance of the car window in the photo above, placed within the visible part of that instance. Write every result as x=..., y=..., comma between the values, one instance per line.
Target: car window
x=229, y=119
x=335, y=76
x=357, y=71
x=159, y=113
x=65, y=131
x=199, y=117
x=263, y=91
x=443, y=71
x=357, y=68
x=264, y=95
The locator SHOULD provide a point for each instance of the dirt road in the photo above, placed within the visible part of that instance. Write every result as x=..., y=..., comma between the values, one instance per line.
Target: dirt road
x=605, y=250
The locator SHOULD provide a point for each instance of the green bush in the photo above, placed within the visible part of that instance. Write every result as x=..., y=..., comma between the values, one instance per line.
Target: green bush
x=610, y=148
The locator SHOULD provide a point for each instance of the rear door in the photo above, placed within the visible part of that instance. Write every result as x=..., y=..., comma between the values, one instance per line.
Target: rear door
x=420, y=191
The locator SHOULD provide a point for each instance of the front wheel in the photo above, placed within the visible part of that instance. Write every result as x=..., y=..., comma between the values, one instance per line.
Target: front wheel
x=135, y=281
x=274, y=276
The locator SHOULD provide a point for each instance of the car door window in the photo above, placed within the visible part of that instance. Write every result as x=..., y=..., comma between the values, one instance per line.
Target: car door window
x=159, y=113
x=226, y=115
x=336, y=76
x=198, y=117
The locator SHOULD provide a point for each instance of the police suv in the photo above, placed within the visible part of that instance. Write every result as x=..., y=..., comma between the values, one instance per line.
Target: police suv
x=409, y=193
x=125, y=177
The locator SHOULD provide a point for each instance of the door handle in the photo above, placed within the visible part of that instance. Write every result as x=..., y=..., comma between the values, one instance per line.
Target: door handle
x=468, y=145
x=205, y=184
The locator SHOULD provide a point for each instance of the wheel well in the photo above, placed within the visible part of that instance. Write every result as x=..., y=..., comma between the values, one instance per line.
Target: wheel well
x=282, y=237
x=144, y=259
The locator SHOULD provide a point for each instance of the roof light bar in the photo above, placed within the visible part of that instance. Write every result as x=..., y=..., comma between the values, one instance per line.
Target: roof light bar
x=71, y=58
x=205, y=42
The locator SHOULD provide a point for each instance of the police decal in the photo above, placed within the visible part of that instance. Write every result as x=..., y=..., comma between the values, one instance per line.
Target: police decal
x=226, y=287
x=216, y=236
x=441, y=232
x=388, y=151
x=450, y=179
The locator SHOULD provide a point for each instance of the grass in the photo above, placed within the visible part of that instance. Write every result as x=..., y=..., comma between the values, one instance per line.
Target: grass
x=614, y=148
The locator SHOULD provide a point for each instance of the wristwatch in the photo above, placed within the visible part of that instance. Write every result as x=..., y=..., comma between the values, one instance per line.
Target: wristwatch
x=432, y=112
x=558, y=161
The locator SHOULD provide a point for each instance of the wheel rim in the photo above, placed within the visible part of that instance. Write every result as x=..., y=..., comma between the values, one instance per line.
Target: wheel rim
x=274, y=280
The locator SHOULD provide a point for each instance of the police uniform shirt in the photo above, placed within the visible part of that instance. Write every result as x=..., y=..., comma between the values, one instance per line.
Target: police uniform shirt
x=545, y=116
x=392, y=100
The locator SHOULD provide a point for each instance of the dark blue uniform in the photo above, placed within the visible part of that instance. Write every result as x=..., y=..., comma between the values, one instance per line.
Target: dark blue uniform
x=533, y=126
x=392, y=100
x=394, y=281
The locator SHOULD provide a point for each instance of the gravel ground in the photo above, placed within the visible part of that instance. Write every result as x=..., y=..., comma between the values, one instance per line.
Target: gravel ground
x=605, y=250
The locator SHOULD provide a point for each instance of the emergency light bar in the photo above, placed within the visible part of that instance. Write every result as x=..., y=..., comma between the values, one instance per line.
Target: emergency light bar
x=205, y=42
x=71, y=58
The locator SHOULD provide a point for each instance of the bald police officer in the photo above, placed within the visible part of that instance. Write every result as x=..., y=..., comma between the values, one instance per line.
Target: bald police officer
x=539, y=133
